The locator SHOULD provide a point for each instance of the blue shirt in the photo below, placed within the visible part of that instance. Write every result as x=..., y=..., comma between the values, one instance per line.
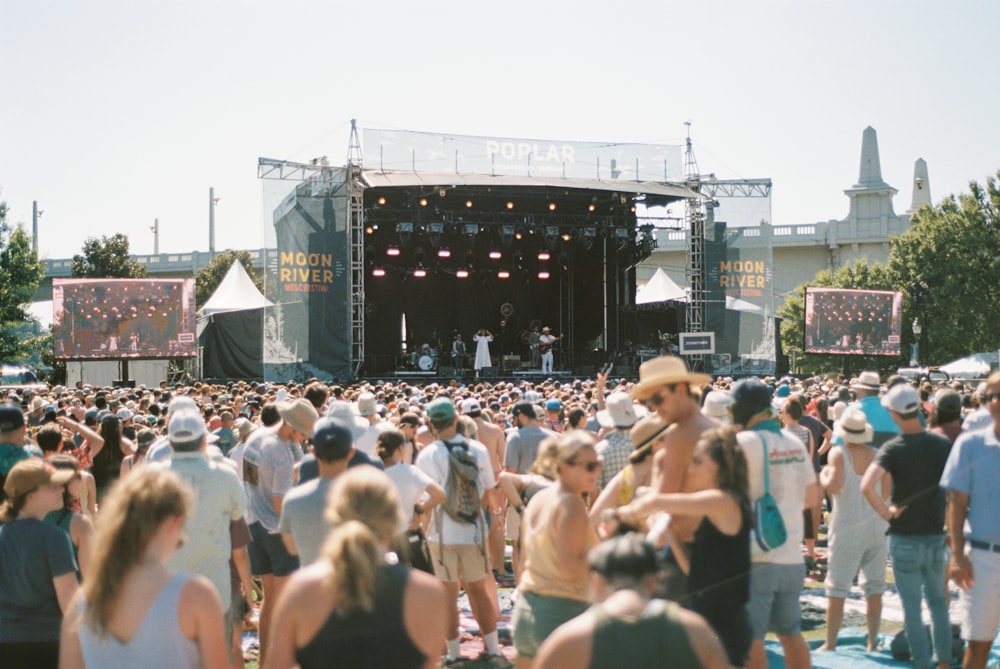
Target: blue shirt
x=973, y=468
x=879, y=418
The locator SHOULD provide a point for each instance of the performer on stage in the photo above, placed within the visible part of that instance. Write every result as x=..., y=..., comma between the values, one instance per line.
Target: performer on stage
x=458, y=352
x=545, y=343
x=482, y=339
x=535, y=359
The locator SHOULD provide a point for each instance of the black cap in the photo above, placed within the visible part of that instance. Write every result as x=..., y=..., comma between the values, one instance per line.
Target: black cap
x=11, y=417
x=750, y=397
x=526, y=408
x=332, y=439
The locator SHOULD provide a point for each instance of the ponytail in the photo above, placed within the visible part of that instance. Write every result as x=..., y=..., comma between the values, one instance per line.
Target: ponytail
x=355, y=554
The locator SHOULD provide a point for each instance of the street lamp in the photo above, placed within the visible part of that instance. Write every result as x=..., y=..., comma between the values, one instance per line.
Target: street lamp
x=915, y=346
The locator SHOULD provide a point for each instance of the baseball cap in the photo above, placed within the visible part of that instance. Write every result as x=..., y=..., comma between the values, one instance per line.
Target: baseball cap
x=332, y=439
x=525, y=408
x=11, y=418
x=29, y=474
x=187, y=426
x=441, y=410
x=471, y=405
x=553, y=405
x=948, y=400
x=366, y=404
x=125, y=414
x=750, y=397
x=145, y=437
x=902, y=399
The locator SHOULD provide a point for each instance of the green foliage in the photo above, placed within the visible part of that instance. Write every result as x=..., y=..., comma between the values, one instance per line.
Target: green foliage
x=107, y=257
x=22, y=272
x=860, y=276
x=943, y=263
x=208, y=279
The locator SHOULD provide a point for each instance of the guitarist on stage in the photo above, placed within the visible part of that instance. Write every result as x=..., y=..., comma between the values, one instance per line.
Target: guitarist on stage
x=545, y=343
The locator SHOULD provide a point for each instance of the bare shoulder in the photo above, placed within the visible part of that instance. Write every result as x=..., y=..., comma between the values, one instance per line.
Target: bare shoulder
x=569, y=646
x=427, y=588
x=199, y=592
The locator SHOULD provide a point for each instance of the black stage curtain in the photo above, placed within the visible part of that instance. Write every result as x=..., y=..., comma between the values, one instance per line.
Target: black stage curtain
x=233, y=345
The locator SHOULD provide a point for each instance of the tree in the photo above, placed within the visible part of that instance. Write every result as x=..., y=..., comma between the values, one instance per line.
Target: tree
x=22, y=272
x=945, y=263
x=861, y=276
x=208, y=279
x=107, y=257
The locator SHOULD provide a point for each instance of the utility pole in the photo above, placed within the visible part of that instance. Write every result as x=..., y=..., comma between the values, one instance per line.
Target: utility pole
x=156, y=236
x=35, y=215
x=212, y=201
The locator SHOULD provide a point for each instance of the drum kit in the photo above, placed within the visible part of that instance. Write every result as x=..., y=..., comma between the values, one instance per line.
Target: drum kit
x=426, y=361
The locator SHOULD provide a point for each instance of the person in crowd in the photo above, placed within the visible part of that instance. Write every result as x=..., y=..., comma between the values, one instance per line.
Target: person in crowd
x=458, y=547
x=856, y=534
x=670, y=390
x=790, y=414
x=107, y=467
x=914, y=461
x=12, y=433
x=627, y=627
x=38, y=578
x=70, y=518
x=867, y=387
x=618, y=417
x=556, y=537
x=303, y=526
x=493, y=438
x=144, y=438
x=718, y=565
x=418, y=493
x=268, y=474
x=777, y=575
x=980, y=417
x=946, y=416
x=357, y=603
x=520, y=488
x=522, y=449
x=133, y=610
x=970, y=476
x=647, y=438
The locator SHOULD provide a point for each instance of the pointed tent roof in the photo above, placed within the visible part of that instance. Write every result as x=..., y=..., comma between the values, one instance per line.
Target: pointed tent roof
x=659, y=288
x=236, y=292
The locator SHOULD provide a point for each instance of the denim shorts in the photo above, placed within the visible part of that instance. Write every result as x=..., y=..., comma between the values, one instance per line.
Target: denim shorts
x=268, y=554
x=774, y=604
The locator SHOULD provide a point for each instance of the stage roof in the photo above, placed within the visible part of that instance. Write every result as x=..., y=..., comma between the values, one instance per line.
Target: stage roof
x=654, y=192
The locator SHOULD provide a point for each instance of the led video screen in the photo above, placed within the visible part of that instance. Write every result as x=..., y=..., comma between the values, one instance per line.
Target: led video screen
x=95, y=319
x=852, y=322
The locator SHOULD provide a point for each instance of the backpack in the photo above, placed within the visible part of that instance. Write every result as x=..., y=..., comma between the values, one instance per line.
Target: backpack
x=463, y=502
x=768, y=525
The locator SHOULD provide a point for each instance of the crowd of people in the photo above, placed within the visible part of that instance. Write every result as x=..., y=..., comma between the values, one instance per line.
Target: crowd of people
x=141, y=527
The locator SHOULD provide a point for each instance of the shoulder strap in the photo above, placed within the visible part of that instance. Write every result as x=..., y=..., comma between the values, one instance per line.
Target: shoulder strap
x=767, y=467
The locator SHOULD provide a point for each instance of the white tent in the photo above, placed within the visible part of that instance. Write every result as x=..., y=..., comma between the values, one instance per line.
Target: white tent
x=236, y=292
x=659, y=288
x=976, y=366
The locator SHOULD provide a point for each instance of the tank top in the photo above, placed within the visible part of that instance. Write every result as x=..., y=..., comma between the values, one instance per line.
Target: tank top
x=62, y=518
x=376, y=638
x=720, y=568
x=157, y=644
x=851, y=511
x=543, y=575
x=643, y=642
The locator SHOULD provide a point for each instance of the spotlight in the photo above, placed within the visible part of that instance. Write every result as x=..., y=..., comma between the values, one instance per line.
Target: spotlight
x=507, y=235
x=503, y=274
x=519, y=235
x=423, y=202
x=462, y=274
x=552, y=206
x=434, y=231
x=378, y=271
x=471, y=228
x=566, y=236
x=381, y=200
x=392, y=251
x=444, y=253
x=544, y=255
x=420, y=272
x=495, y=255
x=543, y=275
x=590, y=207
x=468, y=204
x=442, y=191
x=510, y=205
x=405, y=231
x=369, y=230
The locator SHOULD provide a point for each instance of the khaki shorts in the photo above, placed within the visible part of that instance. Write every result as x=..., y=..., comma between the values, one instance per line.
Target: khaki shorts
x=454, y=562
x=512, y=528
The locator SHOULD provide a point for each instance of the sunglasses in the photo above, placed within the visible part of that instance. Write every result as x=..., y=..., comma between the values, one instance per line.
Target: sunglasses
x=989, y=397
x=658, y=399
x=591, y=466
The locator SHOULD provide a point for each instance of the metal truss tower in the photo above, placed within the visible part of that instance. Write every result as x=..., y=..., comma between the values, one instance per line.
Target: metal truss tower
x=357, y=232
x=695, y=251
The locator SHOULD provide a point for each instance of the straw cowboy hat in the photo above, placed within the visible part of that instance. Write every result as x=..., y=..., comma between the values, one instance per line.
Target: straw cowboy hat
x=853, y=427
x=663, y=371
x=867, y=380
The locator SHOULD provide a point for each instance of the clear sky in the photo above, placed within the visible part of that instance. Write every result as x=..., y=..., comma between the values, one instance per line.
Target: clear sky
x=118, y=112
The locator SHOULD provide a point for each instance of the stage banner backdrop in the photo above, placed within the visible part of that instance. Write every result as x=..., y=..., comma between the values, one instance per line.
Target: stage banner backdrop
x=739, y=288
x=308, y=332
x=431, y=152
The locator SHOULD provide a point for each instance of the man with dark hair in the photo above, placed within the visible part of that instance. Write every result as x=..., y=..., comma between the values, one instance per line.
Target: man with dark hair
x=776, y=575
x=627, y=627
x=302, y=524
x=317, y=394
x=914, y=461
x=12, y=431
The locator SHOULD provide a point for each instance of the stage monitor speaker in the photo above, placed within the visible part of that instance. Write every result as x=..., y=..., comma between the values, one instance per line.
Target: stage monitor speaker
x=488, y=372
x=446, y=371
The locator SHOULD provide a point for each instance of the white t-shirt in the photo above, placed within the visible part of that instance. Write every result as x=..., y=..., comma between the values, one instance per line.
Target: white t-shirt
x=791, y=472
x=433, y=460
x=410, y=483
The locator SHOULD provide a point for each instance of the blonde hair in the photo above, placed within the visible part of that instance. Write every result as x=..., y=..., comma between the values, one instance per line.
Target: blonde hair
x=571, y=443
x=130, y=516
x=547, y=461
x=365, y=512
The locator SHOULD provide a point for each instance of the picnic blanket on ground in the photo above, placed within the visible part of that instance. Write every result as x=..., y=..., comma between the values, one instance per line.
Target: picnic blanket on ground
x=851, y=654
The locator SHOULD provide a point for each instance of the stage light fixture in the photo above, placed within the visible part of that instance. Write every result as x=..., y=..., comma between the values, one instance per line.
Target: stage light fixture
x=420, y=272
x=566, y=236
x=503, y=274
x=507, y=235
x=519, y=235
x=544, y=255
x=462, y=274
x=378, y=271
x=471, y=228
x=423, y=202
x=381, y=200
x=434, y=231
x=495, y=255
x=444, y=253
x=405, y=231
x=543, y=275
x=468, y=204
x=442, y=191
x=369, y=230
x=392, y=251
x=510, y=205
x=591, y=207
x=552, y=206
